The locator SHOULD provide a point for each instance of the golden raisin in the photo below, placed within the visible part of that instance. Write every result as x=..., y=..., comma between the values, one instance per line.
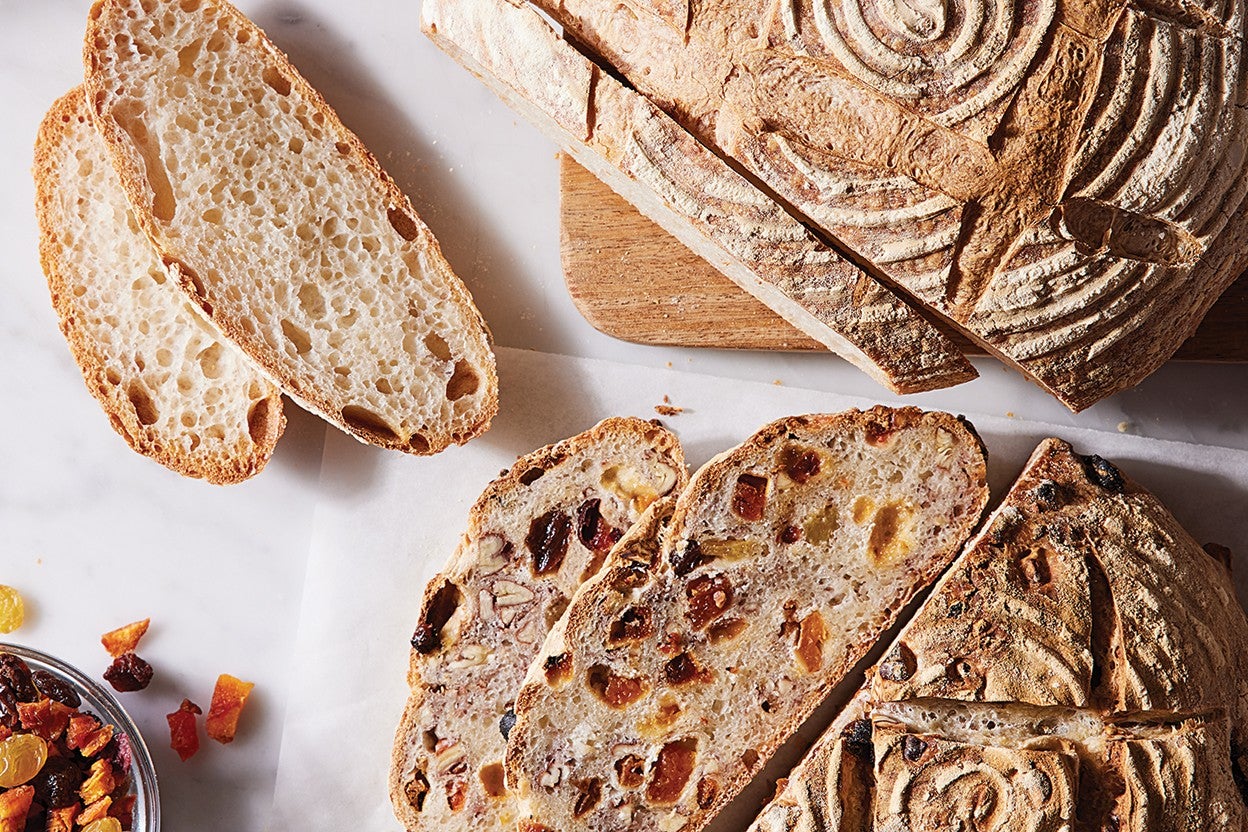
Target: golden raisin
x=12, y=609
x=632, y=625
x=671, y=771
x=813, y=633
x=492, y=779
x=725, y=630
x=558, y=668
x=630, y=771
x=21, y=758
x=708, y=790
x=106, y=824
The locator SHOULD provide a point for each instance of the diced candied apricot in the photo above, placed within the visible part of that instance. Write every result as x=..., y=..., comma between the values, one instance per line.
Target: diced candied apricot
x=671, y=771
x=813, y=633
x=62, y=820
x=708, y=597
x=183, y=735
x=14, y=804
x=47, y=718
x=105, y=824
x=99, y=783
x=87, y=734
x=93, y=812
x=228, y=698
x=616, y=691
x=124, y=639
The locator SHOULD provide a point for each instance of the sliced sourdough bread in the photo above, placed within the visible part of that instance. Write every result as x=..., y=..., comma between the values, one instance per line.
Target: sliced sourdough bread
x=652, y=162
x=1082, y=625
x=534, y=535
x=283, y=228
x=174, y=390
x=671, y=681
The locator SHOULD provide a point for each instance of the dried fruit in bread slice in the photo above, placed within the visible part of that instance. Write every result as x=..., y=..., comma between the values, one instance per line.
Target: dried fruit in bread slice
x=665, y=688
x=283, y=228
x=533, y=537
x=1081, y=613
x=652, y=162
x=170, y=386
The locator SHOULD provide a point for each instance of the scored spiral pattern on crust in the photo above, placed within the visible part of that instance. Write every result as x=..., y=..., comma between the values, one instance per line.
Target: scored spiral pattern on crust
x=953, y=58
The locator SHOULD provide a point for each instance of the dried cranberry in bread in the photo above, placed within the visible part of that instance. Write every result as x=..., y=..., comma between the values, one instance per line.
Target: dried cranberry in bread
x=282, y=227
x=1082, y=624
x=669, y=683
x=533, y=537
x=173, y=389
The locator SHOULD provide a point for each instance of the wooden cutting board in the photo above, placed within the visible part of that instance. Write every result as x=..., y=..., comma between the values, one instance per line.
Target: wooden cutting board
x=632, y=280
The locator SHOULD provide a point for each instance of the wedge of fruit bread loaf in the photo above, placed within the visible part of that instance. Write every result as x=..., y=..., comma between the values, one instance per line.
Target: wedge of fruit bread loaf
x=283, y=228
x=170, y=386
x=1081, y=666
x=669, y=683
x=533, y=537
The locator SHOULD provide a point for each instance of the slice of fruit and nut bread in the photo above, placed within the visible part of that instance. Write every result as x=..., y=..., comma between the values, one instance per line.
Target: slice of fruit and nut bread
x=174, y=390
x=1084, y=636
x=283, y=228
x=667, y=687
x=533, y=537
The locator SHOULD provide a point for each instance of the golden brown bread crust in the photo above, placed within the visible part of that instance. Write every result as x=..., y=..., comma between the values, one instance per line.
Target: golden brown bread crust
x=1148, y=644
x=319, y=394
x=1053, y=178
x=212, y=461
x=719, y=610
x=467, y=662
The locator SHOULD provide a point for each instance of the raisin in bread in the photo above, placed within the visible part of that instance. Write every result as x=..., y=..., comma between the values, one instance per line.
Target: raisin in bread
x=283, y=228
x=1083, y=636
x=668, y=685
x=173, y=390
x=533, y=537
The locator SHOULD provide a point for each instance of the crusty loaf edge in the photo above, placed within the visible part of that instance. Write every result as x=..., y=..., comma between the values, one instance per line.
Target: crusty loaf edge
x=642, y=154
x=580, y=613
x=267, y=423
x=130, y=169
x=543, y=459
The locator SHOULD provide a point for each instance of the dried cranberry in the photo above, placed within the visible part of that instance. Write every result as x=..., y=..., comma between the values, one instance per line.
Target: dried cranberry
x=15, y=679
x=54, y=687
x=595, y=533
x=57, y=783
x=749, y=497
x=128, y=673
x=800, y=464
x=548, y=541
x=428, y=635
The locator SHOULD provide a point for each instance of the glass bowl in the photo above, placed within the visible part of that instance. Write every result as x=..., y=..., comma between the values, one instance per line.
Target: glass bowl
x=104, y=706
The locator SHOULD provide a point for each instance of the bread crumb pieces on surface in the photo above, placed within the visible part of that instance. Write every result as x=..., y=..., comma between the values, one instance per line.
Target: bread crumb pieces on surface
x=667, y=408
x=1125, y=427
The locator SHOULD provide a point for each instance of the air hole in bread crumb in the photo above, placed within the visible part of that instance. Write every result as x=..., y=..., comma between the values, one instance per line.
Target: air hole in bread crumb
x=112, y=376
x=311, y=301
x=213, y=216
x=164, y=357
x=164, y=203
x=260, y=422
x=296, y=145
x=209, y=360
x=438, y=346
x=463, y=382
x=188, y=420
x=369, y=423
x=298, y=338
x=403, y=223
x=243, y=36
x=275, y=79
x=144, y=407
x=187, y=56
x=418, y=443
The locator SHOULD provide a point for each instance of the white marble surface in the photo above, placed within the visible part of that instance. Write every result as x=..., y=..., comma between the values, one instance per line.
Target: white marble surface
x=96, y=535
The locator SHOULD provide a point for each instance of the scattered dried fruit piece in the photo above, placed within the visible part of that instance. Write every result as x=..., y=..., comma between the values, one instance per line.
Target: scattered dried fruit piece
x=14, y=805
x=21, y=758
x=54, y=687
x=45, y=718
x=183, y=735
x=87, y=734
x=12, y=609
x=105, y=824
x=124, y=639
x=128, y=673
x=228, y=697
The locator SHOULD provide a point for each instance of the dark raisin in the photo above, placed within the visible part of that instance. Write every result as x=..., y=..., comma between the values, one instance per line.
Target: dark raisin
x=1046, y=785
x=428, y=635
x=15, y=679
x=548, y=541
x=1103, y=473
x=8, y=710
x=632, y=625
x=506, y=722
x=685, y=559
x=1048, y=495
x=54, y=687
x=956, y=609
x=900, y=664
x=800, y=465
x=857, y=736
x=878, y=434
x=595, y=533
x=57, y=783
x=912, y=748
x=128, y=673
x=749, y=497
x=684, y=669
x=790, y=534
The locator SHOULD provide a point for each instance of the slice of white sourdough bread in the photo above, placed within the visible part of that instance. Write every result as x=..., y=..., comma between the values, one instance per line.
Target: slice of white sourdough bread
x=1083, y=665
x=283, y=228
x=533, y=537
x=655, y=164
x=671, y=680
x=170, y=386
